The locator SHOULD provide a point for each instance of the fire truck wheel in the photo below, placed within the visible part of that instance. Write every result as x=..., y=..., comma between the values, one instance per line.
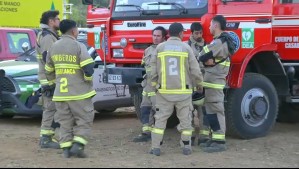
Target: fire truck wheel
x=288, y=113
x=251, y=111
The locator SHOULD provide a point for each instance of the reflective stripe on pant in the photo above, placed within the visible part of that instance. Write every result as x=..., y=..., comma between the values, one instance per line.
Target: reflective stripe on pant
x=48, y=116
x=216, y=117
x=146, y=129
x=214, y=98
x=202, y=127
x=76, y=119
x=164, y=110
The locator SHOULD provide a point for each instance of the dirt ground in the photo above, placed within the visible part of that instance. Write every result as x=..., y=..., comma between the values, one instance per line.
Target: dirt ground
x=111, y=146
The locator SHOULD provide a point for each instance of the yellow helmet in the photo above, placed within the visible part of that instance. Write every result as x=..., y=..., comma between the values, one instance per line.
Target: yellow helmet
x=198, y=98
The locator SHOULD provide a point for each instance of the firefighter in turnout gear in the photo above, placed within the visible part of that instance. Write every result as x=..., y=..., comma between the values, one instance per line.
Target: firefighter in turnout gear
x=45, y=39
x=196, y=42
x=73, y=67
x=216, y=59
x=149, y=94
x=174, y=71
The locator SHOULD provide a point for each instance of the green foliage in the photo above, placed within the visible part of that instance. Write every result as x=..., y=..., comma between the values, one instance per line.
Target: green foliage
x=80, y=10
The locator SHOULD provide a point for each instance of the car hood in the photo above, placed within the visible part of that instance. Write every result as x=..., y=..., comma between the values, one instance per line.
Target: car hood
x=19, y=68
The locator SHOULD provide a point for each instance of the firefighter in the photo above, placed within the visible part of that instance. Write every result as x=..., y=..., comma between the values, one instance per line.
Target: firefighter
x=216, y=59
x=174, y=70
x=196, y=42
x=72, y=66
x=149, y=96
x=49, y=24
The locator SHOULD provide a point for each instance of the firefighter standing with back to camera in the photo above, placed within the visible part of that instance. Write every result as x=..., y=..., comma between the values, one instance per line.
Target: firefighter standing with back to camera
x=149, y=95
x=70, y=62
x=174, y=71
x=216, y=59
x=49, y=23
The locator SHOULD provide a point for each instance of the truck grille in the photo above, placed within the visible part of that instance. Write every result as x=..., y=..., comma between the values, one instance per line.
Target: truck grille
x=7, y=85
x=141, y=46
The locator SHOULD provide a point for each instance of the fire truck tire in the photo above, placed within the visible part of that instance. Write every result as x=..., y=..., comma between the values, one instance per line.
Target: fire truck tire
x=288, y=113
x=251, y=111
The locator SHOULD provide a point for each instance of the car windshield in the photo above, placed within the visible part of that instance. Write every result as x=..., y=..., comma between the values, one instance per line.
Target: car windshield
x=17, y=40
x=133, y=5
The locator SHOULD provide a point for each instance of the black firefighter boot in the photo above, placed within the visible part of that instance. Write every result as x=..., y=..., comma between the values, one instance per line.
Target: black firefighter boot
x=155, y=151
x=77, y=150
x=215, y=147
x=186, y=148
x=66, y=152
x=47, y=141
x=143, y=137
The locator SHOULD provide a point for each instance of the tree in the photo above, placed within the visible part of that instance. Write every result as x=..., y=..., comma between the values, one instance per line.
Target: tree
x=80, y=10
x=79, y=13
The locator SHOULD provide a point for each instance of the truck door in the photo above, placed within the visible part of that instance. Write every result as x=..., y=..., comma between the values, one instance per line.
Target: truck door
x=250, y=21
x=285, y=28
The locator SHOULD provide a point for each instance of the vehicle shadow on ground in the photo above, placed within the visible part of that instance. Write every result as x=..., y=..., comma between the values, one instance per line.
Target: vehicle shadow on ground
x=118, y=114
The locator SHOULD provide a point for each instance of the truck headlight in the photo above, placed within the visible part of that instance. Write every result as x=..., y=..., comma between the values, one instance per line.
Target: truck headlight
x=123, y=42
x=118, y=53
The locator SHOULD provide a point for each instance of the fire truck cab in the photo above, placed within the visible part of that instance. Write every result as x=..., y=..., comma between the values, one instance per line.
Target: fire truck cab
x=264, y=76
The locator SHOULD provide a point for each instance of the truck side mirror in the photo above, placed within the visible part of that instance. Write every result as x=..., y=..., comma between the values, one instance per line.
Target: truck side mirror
x=87, y=2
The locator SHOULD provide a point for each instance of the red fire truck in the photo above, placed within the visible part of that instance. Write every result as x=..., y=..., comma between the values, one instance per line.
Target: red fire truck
x=264, y=71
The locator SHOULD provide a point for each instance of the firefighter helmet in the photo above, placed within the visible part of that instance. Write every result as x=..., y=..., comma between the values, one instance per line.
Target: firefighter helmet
x=198, y=98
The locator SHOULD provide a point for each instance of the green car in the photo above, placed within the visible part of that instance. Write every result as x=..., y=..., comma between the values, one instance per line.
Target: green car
x=19, y=82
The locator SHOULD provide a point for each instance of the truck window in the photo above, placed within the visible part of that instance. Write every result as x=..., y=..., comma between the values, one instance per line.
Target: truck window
x=101, y=3
x=16, y=40
x=183, y=8
x=289, y=1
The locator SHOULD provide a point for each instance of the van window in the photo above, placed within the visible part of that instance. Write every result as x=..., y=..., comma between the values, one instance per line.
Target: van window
x=16, y=40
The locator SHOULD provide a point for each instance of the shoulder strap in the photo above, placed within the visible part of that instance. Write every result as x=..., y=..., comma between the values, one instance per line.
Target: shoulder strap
x=47, y=32
x=44, y=33
x=189, y=42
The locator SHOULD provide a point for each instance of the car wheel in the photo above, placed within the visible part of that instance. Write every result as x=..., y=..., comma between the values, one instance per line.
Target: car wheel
x=6, y=116
x=251, y=111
